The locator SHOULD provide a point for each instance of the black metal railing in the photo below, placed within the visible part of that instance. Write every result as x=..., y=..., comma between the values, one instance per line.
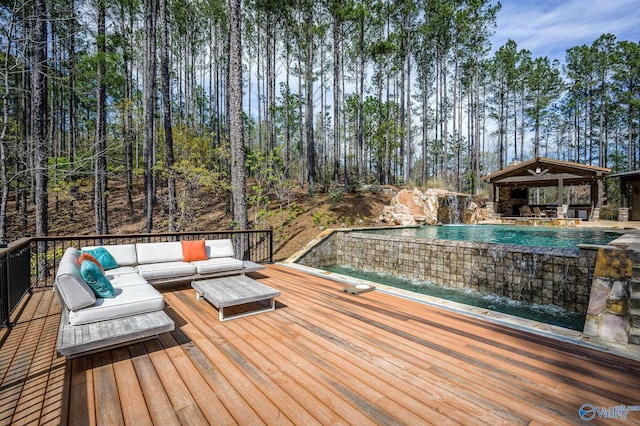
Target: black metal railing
x=31, y=263
x=15, y=279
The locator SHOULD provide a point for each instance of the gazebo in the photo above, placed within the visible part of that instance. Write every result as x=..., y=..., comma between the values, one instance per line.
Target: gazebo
x=509, y=187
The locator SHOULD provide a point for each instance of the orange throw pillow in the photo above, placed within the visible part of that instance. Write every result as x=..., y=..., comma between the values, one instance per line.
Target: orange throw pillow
x=193, y=250
x=90, y=258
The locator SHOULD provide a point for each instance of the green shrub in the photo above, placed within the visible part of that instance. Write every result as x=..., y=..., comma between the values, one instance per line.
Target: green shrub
x=335, y=194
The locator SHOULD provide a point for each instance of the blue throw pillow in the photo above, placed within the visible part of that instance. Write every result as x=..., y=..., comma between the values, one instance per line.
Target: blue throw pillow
x=100, y=285
x=104, y=257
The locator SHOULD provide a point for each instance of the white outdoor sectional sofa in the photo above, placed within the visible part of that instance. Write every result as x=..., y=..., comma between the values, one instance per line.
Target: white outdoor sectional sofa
x=135, y=312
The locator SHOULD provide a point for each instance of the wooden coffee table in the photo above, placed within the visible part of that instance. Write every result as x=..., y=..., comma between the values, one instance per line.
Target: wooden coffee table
x=233, y=291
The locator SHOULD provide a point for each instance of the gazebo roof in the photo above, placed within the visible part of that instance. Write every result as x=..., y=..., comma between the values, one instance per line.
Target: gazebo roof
x=546, y=172
x=626, y=175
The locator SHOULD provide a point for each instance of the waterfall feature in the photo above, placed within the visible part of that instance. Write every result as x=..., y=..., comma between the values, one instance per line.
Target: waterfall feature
x=453, y=209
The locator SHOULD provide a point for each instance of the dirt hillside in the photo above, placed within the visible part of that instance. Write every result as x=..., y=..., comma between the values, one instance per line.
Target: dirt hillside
x=299, y=220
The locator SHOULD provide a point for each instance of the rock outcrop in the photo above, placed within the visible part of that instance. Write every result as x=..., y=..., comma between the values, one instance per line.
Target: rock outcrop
x=412, y=207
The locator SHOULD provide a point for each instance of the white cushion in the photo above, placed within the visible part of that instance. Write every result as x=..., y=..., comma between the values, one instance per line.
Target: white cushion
x=122, y=270
x=159, y=252
x=130, y=300
x=219, y=248
x=217, y=265
x=124, y=280
x=73, y=291
x=166, y=270
x=124, y=254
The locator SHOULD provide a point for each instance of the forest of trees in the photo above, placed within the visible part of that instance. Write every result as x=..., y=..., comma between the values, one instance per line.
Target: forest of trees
x=321, y=94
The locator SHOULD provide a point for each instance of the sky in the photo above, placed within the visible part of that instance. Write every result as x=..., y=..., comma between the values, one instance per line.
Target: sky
x=550, y=27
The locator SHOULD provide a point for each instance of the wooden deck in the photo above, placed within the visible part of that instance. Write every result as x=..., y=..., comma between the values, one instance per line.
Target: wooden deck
x=322, y=357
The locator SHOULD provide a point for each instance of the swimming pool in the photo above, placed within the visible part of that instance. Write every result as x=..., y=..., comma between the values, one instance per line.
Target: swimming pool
x=548, y=314
x=537, y=236
x=515, y=275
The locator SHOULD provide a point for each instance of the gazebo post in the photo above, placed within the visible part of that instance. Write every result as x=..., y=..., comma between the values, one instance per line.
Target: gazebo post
x=596, y=192
x=560, y=192
x=624, y=202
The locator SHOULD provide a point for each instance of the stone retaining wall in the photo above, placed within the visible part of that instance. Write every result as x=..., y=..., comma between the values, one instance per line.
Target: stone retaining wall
x=547, y=276
x=608, y=313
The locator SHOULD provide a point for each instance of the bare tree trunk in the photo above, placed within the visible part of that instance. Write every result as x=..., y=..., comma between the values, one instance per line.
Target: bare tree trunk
x=39, y=116
x=409, y=149
x=360, y=113
x=321, y=122
x=287, y=105
x=402, y=172
x=168, y=130
x=455, y=131
x=387, y=119
x=23, y=156
x=73, y=111
x=476, y=94
x=259, y=96
x=127, y=131
x=382, y=178
x=271, y=81
x=149, y=87
x=311, y=149
x=219, y=113
x=337, y=26
x=3, y=136
x=39, y=128
x=301, y=151
x=630, y=159
x=602, y=134
x=238, y=171
x=501, y=128
x=522, y=129
x=425, y=138
x=100, y=185
x=345, y=139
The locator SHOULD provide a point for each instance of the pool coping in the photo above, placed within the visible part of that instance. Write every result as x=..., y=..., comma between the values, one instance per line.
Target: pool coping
x=542, y=329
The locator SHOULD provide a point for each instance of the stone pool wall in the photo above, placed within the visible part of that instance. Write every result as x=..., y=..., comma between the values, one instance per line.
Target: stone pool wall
x=547, y=276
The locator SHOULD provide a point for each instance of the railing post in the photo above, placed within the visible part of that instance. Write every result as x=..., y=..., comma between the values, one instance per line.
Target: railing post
x=271, y=245
x=4, y=291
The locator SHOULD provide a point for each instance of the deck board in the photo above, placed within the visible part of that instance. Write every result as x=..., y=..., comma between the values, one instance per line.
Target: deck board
x=204, y=396
x=322, y=357
x=155, y=395
x=245, y=376
x=108, y=408
x=82, y=409
x=475, y=363
x=376, y=350
x=135, y=410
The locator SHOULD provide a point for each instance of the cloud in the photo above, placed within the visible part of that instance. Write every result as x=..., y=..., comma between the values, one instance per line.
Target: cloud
x=550, y=27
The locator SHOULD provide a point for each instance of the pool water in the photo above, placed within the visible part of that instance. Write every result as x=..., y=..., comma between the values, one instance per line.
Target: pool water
x=548, y=314
x=540, y=236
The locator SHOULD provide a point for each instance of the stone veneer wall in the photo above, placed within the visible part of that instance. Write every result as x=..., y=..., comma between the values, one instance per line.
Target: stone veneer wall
x=323, y=253
x=608, y=316
x=560, y=277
